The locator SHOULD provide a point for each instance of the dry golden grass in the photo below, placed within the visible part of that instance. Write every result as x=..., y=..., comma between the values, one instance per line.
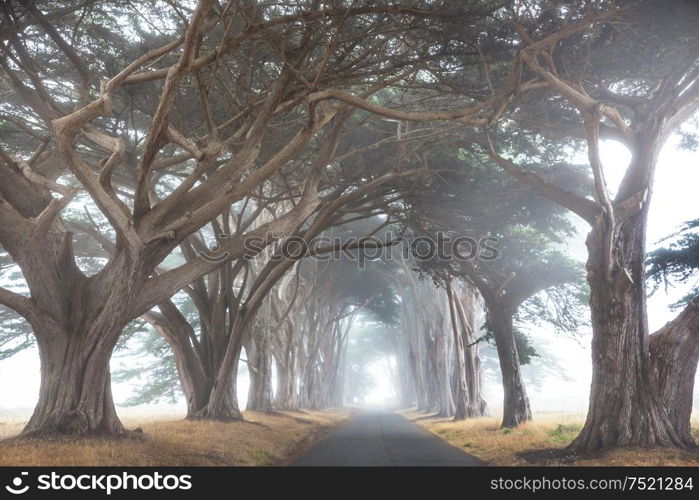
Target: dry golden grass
x=483, y=438
x=170, y=441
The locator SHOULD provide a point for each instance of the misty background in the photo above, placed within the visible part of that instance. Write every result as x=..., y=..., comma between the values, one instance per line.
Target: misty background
x=557, y=381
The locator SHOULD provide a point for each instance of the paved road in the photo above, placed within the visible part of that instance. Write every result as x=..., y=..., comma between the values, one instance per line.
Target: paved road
x=382, y=437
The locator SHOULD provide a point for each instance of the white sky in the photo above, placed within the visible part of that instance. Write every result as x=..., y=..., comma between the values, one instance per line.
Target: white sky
x=564, y=389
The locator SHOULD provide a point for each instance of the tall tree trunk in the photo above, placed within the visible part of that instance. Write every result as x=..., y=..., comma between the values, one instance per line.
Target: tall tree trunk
x=287, y=371
x=309, y=378
x=433, y=387
x=75, y=393
x=626, y=408
x=223, y=400
x=415, y=362
x=421, y=377
x=309, y=392
x=285, y=398
x=404, y=368
x=335, y=380
x=445, y=398
x=461, y=396
x=196, y=383
x=76, y=343
x=193, y=372
x=260, y=369
x=516, y=409
x=674, y=353
x=466, y=309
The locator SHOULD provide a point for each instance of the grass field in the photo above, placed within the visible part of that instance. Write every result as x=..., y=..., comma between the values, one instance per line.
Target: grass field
x=483, y=438
x=264, y=439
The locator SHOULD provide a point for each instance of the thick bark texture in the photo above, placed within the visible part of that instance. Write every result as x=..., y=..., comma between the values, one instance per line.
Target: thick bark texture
x=77, y=325
x=516, y=409
x=626, y=407
x=76, y=319
x=674, y=353
x=259, y=356
x=466, y=309
x=223, y=399
x=75, y=394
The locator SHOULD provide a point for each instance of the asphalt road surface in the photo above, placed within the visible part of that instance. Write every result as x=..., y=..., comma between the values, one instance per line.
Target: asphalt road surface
x=382, y=437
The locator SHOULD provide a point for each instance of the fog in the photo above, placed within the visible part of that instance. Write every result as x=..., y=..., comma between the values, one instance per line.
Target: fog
x=557, y=381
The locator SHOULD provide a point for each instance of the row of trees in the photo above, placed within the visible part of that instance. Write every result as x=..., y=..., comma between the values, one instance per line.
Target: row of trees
x=160, y=158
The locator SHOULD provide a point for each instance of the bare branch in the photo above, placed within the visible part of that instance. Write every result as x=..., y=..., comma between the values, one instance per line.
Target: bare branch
x=163, y=286
x=39, y=179
x=159, y=122
x=464, y=115
x=591, y=121
x=581, y=100
x=19, y=303
x=585, y=208
x=46, y=217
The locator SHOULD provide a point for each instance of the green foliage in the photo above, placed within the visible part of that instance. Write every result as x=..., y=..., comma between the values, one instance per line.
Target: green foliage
x=679, y=261
x=15, y=335
x=525, y=348
x=151, y=367
x=563, y=304
x=15, y=332
x=688, y=135
x=476, y=199
x=564, y=433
